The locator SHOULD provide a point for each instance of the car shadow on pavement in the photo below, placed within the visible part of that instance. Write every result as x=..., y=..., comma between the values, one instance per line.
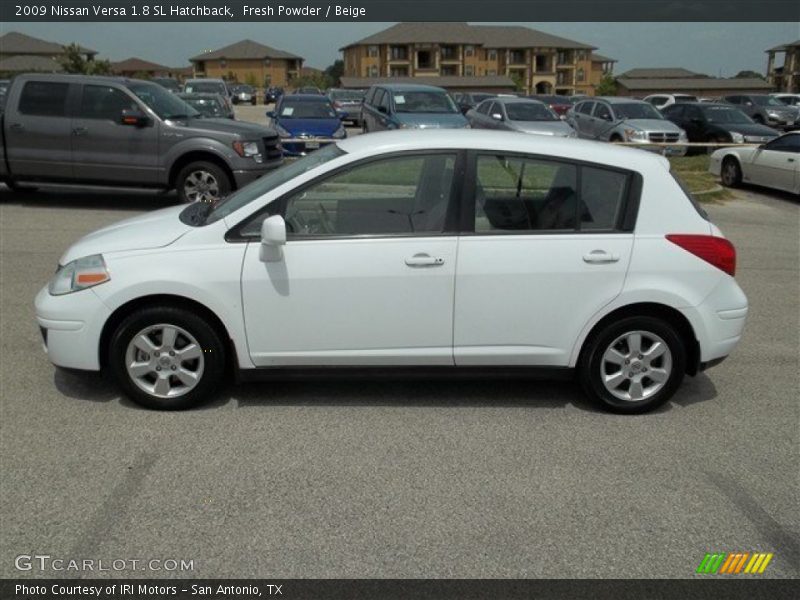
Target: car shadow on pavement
x=93, y=198
x=533, y=393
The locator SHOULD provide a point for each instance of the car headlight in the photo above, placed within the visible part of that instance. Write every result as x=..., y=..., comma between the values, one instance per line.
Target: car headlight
x=682, y=136
x=773, y=113
x=737, y=137
x=635, y=135
x=246, y=148
x=340, y=133
x=79, y=274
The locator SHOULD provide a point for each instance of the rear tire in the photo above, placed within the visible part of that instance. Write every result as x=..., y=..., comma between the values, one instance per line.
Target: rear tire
x=203, y=181
x=167, y=358
x=656, y=364
x=731, y=175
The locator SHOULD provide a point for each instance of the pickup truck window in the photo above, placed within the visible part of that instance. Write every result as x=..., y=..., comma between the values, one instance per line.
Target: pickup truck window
x=162, y=102
x=44, y=98
x=103, y=102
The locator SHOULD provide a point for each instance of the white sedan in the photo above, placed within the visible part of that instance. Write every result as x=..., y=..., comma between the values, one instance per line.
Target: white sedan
x=436, y=250
x=775, y=164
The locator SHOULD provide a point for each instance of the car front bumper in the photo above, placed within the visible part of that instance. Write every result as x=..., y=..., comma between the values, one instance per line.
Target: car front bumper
x=71, y=326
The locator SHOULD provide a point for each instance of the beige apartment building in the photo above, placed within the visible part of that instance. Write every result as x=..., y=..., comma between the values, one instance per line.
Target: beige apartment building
x=785, y=77
x=540, y=63
x=248, y=61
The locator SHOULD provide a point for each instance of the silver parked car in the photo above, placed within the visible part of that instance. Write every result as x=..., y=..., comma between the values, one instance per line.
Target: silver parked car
x=626, y=120
x=518, y=114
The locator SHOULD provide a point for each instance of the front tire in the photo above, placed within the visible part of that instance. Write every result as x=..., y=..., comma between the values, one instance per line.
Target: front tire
x=167, y=358
x=202, y=181
x=633, y=365
x=731, y=172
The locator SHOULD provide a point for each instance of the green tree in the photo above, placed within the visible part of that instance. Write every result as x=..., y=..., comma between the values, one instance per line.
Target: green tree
x=607, y=86
x=320, y=80
x=250, y=79
x=519, y=82
x=748, y=75
x=74, y=61
x=334, y=72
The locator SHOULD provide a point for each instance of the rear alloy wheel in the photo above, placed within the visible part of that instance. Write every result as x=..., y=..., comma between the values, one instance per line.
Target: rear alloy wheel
x=731, y=172
x=167, y=358
x=634, y=365
x=203, y=182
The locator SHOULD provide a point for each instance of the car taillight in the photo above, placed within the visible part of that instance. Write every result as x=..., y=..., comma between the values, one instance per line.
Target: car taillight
x=337, y=104
x=714, y=250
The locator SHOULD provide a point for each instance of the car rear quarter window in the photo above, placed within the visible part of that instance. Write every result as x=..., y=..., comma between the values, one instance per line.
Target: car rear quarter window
x=44, y=99
x=602, y=197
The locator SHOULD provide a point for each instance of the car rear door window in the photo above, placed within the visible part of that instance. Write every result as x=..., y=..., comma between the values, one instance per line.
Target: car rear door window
x=392, y=196
x=516, y=194
x=44, y=99
x=602, y=112
x=585, y=108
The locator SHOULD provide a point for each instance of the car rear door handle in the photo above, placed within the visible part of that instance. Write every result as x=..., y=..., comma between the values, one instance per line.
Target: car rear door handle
x=599, y=257
x=16, y=127
x=80, y=131
x=424, y=260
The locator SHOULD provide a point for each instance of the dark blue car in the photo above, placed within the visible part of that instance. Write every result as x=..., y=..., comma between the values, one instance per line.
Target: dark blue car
x=310, y=119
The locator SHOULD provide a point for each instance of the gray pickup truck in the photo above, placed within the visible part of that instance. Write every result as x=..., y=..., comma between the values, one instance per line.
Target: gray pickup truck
x=125, y=132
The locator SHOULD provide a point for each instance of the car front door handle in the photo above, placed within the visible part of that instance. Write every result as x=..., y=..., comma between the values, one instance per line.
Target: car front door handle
x=17, y=127
x=80, y=131
x=424, y=260
x=599, y=257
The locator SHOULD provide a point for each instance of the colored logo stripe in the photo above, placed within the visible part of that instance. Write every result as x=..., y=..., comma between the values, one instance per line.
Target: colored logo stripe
x=733, y=563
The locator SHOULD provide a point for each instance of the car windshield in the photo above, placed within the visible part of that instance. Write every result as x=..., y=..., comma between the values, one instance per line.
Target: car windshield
x=681, y=99
x=347, y=95
x=207, y=107
x=725, y=114
x=477, y=98
x=554, y=99
x=766, y=101
x=169, y=84
x=424, y=102
x=244, y=88
x=522, y=111
x=162, y=102
x=208, y=213
x=306, y=110
x=636, y=111
x=205, y=87
x=788, y=100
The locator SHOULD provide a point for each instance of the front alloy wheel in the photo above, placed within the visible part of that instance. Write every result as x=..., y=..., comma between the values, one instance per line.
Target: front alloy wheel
x=167, y=358
x=202, y=181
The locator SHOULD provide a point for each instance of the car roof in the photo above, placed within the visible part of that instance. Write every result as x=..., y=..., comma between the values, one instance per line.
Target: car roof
x=206, y=79
x=67, y=77
x=305, y=98
x=503, y=141
x=621, y=100
x=410, y=87
x=198, y=95
x=512, y=100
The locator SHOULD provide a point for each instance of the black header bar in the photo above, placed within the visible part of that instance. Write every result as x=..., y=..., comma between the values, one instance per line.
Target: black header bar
x=400, y=10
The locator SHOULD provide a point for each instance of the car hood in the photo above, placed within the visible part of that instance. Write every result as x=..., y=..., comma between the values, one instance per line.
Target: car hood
x=241, y=128
x=747, y=128
x=432, y=120
x=318, y=127
x=151, y=230
x=651, y=125
x=557, y=128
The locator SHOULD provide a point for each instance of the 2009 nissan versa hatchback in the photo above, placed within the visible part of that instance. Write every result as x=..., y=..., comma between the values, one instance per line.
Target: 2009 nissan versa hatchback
x=439, y=249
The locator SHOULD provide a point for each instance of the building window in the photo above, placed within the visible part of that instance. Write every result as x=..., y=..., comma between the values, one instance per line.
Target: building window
x=517, y=57
x=373, y=71
x=399, y=52
x=469, y=70
x=449, y=70
x=491, y=55
x=398, y=72
x=469, y=50
x=372, y=51
x=425, y=59
x=448, y=52
x=491, y=72
x=542, y=64
x=267, y=62
x=223, y=63
x=581, y=74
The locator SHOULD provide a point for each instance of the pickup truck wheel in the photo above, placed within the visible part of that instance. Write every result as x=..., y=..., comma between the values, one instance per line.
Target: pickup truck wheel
x=633, y=365
x=167, y=358
x=203, y=181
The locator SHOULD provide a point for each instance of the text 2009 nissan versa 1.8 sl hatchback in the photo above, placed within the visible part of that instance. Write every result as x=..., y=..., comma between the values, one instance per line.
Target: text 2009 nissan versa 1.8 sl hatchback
x=459, y=250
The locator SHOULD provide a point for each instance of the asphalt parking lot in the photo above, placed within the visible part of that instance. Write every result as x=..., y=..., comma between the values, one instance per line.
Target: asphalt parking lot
x=440, y=479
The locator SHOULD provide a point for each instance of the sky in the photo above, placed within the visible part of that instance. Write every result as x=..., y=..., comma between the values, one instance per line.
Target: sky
x=718, y=49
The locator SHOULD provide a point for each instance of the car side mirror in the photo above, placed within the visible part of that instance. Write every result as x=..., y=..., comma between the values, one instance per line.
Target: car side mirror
x=272, y=114
x=497, y=116
x=696, y=120
x=136, y=118
x=273, y=238
x=382, y=109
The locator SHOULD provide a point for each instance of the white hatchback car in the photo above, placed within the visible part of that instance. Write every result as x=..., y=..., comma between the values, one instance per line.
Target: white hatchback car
x=432, y=251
